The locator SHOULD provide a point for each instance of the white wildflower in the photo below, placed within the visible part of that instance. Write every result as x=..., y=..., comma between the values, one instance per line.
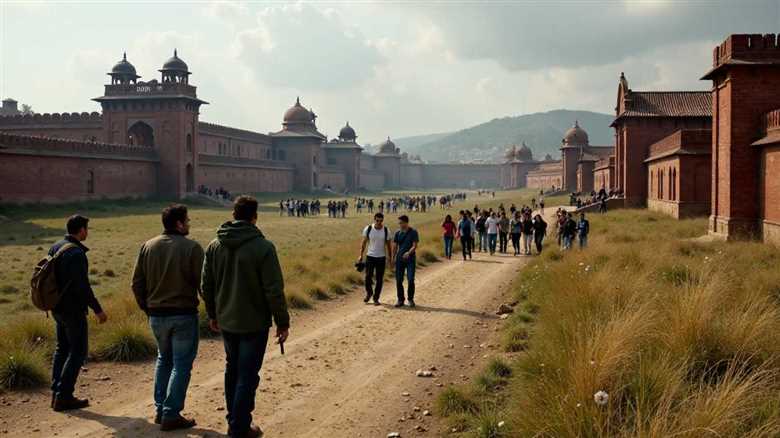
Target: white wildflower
x=601, y=398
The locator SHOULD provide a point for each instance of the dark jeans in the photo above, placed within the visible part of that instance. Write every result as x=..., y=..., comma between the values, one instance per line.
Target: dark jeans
x=375, y=266
x=466, y=245
x=502, y=241
x=405, y=268
x=538, y=239
x=516, y=242
x=70, y=353
x=244, y=356
x=448, y=246
x=492, y=243
x=177, y=346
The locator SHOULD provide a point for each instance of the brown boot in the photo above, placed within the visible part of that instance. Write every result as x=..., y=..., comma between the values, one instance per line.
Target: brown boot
x=176, y=423
x=253, y=432
x=69, y=403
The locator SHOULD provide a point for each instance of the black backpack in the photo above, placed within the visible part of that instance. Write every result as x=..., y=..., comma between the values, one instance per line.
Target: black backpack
x=368, y=232
x=466, y=228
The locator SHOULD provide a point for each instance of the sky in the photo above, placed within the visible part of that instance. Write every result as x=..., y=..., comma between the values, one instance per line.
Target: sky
x=390, y=68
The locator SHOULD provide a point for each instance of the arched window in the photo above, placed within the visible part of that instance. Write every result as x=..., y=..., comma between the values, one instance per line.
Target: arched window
x=189, y=143
x=140, y=134
x=90, y=182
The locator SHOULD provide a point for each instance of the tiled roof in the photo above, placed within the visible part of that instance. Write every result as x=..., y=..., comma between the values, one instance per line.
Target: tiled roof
x=668, y=104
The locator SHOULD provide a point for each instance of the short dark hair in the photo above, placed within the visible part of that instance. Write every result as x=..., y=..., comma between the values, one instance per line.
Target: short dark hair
x=244, y=208
x=404, y=218
x=379, y=216
x=76, y=223
x=172, y=214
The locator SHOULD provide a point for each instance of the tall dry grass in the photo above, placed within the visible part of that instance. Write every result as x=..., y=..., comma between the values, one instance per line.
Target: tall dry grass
x=683, y=336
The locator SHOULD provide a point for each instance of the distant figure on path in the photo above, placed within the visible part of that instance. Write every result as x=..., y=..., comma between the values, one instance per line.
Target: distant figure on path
x=528, y=232
x=70, y=314
x=541, y=205
x=166, y=281
x=243, y=291
x=516, y=229
x=540, y=230
x=448, y=226
x=376, y=238
x=503, y=233
x=482, y=231
x=492, y=232
x=569, y=230
x=583, y=229
x=603, y=205
x=405, y=248
x=466, y=234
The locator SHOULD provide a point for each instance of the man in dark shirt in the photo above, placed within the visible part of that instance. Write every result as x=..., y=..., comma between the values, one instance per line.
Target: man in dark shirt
x=405, y=248
x=166, y=281
x=70, y=314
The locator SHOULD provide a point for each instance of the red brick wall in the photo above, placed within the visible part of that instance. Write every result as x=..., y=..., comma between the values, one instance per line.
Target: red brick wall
x=770, y=183
x=245, y=180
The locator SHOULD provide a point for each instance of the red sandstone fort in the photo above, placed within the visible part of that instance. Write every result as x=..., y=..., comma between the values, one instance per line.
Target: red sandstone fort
x=686, y=153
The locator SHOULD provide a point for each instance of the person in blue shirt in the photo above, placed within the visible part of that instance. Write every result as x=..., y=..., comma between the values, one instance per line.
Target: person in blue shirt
x=583, y=228
x=404, y=250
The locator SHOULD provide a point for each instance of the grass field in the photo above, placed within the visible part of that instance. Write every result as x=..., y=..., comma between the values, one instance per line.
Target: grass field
x=317, y=255
x=681, y=334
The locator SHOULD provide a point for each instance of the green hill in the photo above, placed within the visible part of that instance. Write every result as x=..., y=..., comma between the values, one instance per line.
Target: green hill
x=542, y=132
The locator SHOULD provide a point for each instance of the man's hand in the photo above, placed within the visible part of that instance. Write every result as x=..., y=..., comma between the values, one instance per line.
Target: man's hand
x=282, y=334
x=214, y=325
x=101, y=317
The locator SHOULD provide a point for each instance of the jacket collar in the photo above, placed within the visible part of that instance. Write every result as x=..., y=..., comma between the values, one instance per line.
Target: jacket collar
x=75, y=241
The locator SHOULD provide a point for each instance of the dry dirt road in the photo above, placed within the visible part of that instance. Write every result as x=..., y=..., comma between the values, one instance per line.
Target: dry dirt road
x=349, y=368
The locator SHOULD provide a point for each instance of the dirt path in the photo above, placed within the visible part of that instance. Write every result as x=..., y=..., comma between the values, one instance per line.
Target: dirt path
x=349, y=370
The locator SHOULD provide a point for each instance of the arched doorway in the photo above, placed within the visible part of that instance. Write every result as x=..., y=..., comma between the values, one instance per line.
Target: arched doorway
x=140, y=134
x=190, y=176
x=90, y=182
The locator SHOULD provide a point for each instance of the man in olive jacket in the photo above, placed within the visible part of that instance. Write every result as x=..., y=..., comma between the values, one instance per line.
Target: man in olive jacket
x=166, y=280
x=243, y=291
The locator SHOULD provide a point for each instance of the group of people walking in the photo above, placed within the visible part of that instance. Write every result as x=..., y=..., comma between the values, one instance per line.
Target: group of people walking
x=240, y=281
x=568, y=229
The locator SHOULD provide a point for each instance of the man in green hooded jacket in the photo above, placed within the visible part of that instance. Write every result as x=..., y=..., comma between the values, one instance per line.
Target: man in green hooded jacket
x=243, y=291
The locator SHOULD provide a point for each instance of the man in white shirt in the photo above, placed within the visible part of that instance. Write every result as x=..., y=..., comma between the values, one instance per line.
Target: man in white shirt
x=492, y=231
x=376, y=238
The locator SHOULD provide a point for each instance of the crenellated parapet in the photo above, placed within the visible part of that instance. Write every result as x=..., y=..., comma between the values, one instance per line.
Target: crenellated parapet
x=227, y=131
x=52, y=119
x=771, y=121
x=32, y=145
x=747, y=47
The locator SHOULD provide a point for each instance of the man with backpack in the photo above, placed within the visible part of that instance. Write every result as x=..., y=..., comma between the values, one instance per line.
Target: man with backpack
x=465, y=233
x=166, y=280
x=405, y=248
x=71, y=269
x=243, y=290
x=376, y=238
x=482, y=231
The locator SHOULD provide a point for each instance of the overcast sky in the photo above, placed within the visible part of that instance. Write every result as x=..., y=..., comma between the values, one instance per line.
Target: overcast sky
x=391, y=68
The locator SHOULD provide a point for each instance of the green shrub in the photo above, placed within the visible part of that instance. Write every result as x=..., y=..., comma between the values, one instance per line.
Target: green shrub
x=126, y=341
x=297, y=300
x=499, y=368
x=317, y=293
x=455, y=401
x=21, y=369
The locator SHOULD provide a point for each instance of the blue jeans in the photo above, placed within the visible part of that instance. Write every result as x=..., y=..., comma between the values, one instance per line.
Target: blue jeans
x=583, y=241
x=483, y=241
x=177, y=346
x=244, y=356
x=70, y=353
x=492, y=242
x=448, y=246
x=405, y=268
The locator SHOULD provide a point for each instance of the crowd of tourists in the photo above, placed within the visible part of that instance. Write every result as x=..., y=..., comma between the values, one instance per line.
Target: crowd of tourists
x=567, y=229
x=219, y=193
x=407, y=203
x=580, y=200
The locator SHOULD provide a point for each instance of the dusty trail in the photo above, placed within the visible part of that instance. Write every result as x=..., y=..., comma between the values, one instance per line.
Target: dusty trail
x=349, y=370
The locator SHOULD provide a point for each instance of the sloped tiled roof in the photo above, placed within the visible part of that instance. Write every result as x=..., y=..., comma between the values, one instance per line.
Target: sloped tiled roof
x=668, y=104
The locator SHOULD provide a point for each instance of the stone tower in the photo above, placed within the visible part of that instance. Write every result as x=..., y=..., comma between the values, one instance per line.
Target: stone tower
x=299, y=143
x=574, y=140
x=161, y=115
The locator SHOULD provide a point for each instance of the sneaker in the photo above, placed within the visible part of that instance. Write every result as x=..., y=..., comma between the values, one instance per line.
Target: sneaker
x=367, y=299
x=377, y=303
x=399, y=304
x=176, y=423
x=411, y=303
x=69, y=403
x=158, y=418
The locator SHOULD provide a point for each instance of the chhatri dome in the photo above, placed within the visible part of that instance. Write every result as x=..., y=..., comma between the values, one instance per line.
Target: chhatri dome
x=298, y=116
x=175, y=70
x=123, y=72
x=524, y=153
x=387, y=147
x=347, y=133
x=575, y=136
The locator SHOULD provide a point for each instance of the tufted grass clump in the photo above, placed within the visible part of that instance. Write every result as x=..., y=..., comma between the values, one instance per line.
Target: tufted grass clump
x=455, y=401
x=125, y=341
x=22, y=368
x=298, y=300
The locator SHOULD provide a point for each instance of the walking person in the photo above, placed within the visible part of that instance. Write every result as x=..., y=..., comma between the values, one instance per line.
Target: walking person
x=71, y=271
x=376, y=238
x=466, y=234
x=492, y=232
x=569, y=230
x=540, y=231
x=482, y=231
x=516, y=229
x=603, y=204
x=449, y=236
x=166, y=280
x=243, y=291
x=503, y=233
x=583, y=229
x=541, y=205
x=528, y=231
x=404, y=254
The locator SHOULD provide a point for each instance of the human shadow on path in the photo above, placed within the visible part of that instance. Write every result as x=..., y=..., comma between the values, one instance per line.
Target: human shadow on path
x=133, y=427
x=423, y=308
